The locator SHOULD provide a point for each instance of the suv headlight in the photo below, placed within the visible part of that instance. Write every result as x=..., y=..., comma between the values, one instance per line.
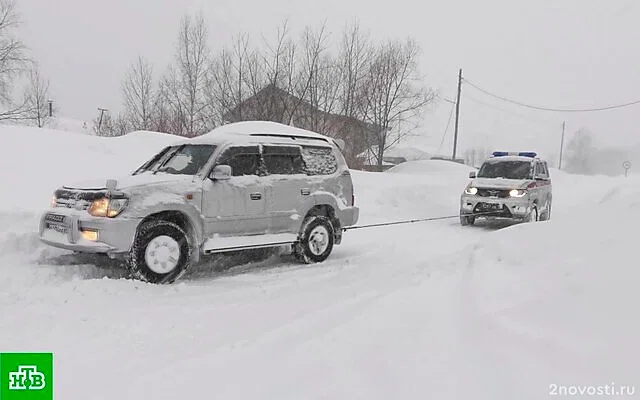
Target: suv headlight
x=471, y=190
x=517, y=193
x=106, y=207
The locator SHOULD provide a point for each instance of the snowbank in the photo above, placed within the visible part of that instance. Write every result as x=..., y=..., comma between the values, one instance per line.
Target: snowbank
x=37, y=161
x=414, y=189
x=436, y=169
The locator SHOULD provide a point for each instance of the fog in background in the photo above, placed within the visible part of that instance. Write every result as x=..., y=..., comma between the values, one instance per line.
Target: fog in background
x=554, y=54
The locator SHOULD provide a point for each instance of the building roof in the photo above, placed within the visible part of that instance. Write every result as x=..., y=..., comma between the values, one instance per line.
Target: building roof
x=274, y=91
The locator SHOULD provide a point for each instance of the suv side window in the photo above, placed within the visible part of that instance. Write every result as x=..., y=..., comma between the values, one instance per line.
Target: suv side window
x=319, y=160
x=285, y=160
x=243, y=160
x=542, y=170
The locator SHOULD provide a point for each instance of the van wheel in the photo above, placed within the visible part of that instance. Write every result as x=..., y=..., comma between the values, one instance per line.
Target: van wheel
x=533, y=215
x=546, y=215
x=316, y=240
x=160, y=252
x=549, y=211
x=467, y=220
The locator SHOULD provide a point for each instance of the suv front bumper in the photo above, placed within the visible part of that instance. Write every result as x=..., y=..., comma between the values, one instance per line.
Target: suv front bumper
x=493, y=207
x=76, y=230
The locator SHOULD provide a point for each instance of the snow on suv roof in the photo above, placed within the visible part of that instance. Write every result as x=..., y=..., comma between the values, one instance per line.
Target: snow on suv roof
x=251, y=131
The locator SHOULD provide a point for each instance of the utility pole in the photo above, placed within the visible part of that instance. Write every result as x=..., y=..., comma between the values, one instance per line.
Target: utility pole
x=102, y=110
x=455, y=134
x=561, y=146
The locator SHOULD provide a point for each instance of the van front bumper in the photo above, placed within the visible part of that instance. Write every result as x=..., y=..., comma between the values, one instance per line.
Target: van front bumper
x=76, y=230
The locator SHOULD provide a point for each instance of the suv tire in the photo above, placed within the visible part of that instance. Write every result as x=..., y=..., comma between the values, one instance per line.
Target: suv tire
x=467, y=220
x=160, y=253
x=316, y=240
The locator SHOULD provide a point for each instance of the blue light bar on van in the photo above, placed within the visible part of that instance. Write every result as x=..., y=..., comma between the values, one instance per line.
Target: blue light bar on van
x=513, y=153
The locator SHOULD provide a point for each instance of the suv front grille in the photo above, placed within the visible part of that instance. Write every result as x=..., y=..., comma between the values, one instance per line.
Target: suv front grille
x=78, y=199
x=501, y=193
x=72, y=203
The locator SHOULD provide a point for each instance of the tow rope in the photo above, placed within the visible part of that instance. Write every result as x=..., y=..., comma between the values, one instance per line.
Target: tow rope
x=411, y=221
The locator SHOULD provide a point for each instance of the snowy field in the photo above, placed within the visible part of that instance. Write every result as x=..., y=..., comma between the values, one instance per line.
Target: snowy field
x=423, y=311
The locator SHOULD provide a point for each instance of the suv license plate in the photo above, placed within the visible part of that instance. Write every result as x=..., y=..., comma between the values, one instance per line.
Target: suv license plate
x=60, y=228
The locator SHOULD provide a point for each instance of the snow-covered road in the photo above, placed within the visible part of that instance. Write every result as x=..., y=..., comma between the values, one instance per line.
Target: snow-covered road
x=426, y=310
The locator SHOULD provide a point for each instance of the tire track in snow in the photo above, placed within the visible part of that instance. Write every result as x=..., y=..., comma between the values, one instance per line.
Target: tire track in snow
x=519, y=350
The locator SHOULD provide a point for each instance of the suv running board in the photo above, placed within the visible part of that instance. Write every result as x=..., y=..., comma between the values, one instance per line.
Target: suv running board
x=233, y=243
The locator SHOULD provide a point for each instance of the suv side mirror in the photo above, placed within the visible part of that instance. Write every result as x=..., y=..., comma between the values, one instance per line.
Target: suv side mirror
x=220, y=173
x=472, y=174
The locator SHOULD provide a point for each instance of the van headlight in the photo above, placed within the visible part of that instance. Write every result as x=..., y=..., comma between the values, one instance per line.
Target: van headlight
x=471, y=190
x=517, y=193
x=106, y=207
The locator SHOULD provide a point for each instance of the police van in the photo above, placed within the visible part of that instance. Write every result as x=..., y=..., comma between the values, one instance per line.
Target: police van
x=508, y=185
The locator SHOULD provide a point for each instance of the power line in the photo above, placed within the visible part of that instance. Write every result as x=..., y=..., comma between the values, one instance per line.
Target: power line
x=447, y=128
x=550, y=108
x=515, y=114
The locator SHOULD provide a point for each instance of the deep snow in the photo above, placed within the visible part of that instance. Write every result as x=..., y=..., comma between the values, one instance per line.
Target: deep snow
x=429, y=310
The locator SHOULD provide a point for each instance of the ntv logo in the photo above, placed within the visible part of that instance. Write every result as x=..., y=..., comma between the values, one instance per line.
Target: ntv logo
x=26, y=378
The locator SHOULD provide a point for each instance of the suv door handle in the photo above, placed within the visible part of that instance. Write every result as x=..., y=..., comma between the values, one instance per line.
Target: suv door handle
x=255, y=196
x=305, y=192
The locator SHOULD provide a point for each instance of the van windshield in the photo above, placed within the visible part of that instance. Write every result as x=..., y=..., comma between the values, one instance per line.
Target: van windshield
x=506, y=170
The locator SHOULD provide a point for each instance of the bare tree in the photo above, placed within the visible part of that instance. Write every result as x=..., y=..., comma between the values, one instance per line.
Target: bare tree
x=580, y=152
x=121, y=125
x=310, y=86
x=393, y=94
x=323, y=96
x=161, y=115
x=37, y=98
x=13, y=61
x=137, y=90
x=354, y=59
x=270, y=73
x=278, y=61
x=109, y=126
x=228, y=84
x=185, y=83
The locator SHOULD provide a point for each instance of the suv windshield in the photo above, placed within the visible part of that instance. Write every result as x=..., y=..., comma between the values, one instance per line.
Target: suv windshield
x=506, y=169
x=183, y=160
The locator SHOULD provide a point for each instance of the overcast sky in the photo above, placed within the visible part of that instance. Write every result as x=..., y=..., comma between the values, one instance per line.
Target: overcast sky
x=554, y=53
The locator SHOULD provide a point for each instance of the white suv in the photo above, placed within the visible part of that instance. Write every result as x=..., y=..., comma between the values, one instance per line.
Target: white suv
x=242, y=186
x=508, y=185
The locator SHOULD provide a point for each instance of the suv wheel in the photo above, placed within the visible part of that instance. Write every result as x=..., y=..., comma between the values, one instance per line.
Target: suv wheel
x=160, y=252
x=316, y=240
x=467, y=220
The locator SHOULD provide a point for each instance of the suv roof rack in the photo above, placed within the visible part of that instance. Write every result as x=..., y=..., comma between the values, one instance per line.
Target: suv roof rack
x=290, y=136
